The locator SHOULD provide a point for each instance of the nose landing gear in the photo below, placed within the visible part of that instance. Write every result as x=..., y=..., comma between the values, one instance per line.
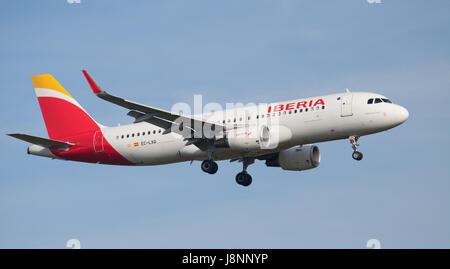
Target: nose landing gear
x=356, y=155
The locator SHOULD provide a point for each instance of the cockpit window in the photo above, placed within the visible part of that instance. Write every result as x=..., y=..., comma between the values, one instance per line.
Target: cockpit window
x=378, y=100
x=370, y=101
x=386, y=100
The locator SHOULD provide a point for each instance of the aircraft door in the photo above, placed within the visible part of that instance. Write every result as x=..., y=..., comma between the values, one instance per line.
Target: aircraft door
x=98, y=142
x=346, y=105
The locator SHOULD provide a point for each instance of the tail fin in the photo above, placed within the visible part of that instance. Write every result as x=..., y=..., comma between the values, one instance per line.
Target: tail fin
x=63, y=116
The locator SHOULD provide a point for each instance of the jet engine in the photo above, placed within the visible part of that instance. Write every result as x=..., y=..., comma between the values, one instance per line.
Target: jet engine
x=272, y=137
x=243, y=139
x=297, y=158
x=251, y=138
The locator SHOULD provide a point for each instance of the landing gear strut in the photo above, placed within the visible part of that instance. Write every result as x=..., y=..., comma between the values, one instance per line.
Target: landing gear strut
x=243, y=178
x=209, y=166
x=356, y=154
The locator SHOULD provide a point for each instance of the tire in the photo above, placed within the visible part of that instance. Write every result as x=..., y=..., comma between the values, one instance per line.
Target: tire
x=214, y=168
x=243, y=179
x=357, y=155
x=206, y=166
x=209, y=167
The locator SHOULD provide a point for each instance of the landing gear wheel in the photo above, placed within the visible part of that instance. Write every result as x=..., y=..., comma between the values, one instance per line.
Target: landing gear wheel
x=209, y=167
x=357, y=155
x=244, y=179
x=214, y=168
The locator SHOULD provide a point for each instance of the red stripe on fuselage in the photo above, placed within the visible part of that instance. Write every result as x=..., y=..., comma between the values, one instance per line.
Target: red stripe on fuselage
x=83, y=151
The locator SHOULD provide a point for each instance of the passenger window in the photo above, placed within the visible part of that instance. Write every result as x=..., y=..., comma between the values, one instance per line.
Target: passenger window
x=159, y=131
x=370, y=101
x=154, y=131
x=148, y=132
x=306, y=110
x=122, y=136
x=257, y=116
x=138, y=134
x=295, y=111
x=132, y=135
x=143, y=133
x=128, y=135
x=323, y=107
x=377, y=100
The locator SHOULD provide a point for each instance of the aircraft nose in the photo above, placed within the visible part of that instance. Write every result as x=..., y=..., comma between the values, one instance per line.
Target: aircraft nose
x=402, y=114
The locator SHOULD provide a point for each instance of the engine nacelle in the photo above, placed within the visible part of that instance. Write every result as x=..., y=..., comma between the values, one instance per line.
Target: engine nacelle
x=273, y=136
x=243, y=139
x=297, y=158
x=257, y=137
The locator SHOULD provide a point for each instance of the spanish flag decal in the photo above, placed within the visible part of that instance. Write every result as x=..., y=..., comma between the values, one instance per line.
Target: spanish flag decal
x=136, y=144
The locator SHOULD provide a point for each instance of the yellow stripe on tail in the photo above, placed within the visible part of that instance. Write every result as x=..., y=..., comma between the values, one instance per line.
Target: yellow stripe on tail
x=47, y=81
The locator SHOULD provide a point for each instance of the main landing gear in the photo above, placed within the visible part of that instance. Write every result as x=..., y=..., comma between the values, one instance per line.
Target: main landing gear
x=243, y=178
x=356, y=154
x=209, y=166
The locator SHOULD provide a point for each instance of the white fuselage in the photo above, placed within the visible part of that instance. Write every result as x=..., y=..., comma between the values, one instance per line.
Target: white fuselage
x=340, y=116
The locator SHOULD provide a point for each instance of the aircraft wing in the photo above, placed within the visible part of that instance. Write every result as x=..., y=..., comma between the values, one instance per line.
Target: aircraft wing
x=49, y=143
x=159, y=117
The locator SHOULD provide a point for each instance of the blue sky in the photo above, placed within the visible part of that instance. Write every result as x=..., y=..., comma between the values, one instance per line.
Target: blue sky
x=163, y=52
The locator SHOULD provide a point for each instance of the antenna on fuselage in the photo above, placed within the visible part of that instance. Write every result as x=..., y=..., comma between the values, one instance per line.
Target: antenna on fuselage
x=347, y=90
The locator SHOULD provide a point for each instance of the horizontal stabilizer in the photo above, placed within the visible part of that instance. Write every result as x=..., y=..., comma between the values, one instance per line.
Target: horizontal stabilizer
x=48, y=143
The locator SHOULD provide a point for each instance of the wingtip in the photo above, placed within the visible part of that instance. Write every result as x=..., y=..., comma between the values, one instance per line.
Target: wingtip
x=95, y=88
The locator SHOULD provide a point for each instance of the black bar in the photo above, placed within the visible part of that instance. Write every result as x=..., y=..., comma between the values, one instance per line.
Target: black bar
x=225, y=258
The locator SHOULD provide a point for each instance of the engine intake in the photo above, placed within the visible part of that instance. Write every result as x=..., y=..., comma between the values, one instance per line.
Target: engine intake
x=297, y=158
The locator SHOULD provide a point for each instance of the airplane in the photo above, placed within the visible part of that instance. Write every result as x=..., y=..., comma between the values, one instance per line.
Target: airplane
x=282, y=133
